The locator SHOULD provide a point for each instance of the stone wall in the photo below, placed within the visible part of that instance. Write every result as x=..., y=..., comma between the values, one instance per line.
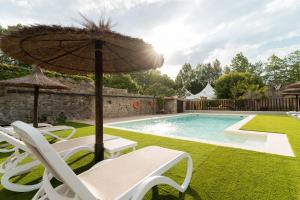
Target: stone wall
x=77, y=103
x=120, y=106
x=170, y=105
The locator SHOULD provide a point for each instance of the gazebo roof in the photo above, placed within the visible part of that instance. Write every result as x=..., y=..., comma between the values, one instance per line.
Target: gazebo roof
x=37, y=78
x=207, y=92
x=72, y=49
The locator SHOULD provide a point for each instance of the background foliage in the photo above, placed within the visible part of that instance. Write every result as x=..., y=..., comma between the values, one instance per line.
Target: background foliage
x=240, y=79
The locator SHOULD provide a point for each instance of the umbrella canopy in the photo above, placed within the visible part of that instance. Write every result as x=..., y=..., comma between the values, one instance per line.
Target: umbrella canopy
x=94, y=48
x=36, y=80
x=72, y=50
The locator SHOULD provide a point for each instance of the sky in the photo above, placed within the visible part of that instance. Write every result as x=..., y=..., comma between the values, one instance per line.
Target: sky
x=194, y=31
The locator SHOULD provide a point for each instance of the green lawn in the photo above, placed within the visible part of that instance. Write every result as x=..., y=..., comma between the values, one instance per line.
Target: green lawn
x=219, y=173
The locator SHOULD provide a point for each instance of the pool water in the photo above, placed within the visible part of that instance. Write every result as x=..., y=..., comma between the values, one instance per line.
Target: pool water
x=193, y=126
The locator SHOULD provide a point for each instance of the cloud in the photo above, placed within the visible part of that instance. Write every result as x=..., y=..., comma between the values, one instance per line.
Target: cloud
x=280, y=5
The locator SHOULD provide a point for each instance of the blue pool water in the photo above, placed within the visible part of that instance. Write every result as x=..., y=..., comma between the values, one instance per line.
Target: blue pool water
x=195, y=126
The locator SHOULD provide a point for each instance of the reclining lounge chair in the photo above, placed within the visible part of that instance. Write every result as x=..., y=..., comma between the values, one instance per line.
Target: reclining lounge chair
x=48, y=129
x=129, y=176
x=11, y=166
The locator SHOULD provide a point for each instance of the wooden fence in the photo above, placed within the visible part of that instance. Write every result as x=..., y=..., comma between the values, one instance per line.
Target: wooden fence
x=271, y=104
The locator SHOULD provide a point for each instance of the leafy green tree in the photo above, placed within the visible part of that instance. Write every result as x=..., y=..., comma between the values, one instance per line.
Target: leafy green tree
x=277, y=72
x=194, y=80
x=255, y=91
x=256, y=68
x=235, y=84
x=121, y=81
x=240, y=63
x=216, y=64
x=185, y=76
x=186, y=80
x=153, y=78
x=226, y=70
x=212, y=71
x=207, y=73
x=293, y=61
x=160, y=90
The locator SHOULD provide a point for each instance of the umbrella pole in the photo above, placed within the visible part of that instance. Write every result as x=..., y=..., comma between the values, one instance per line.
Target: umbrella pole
x=35, y=108
x=99, y=150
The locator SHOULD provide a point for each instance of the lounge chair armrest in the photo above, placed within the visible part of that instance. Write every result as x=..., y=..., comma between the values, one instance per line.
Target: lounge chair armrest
x=50, y=191
x=152, y=181
x=5, y=179
x=143, y=188
x=49, y=131
x=71, y=152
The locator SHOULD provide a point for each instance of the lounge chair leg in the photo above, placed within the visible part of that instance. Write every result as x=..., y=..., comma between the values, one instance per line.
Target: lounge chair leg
x=181, y=195
x=155, y=192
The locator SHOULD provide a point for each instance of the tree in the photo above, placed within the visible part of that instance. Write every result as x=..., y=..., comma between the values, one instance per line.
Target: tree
x=160, y=90
x=194, y=80
x=240, y=63
x=255, y=92
x=256, y=68
x=121, y=81
x=293, y=61
x=277, y=72
x=152, y=79
x=186, y=80
x=226, y=70
x=235, y=84
x=214, y=71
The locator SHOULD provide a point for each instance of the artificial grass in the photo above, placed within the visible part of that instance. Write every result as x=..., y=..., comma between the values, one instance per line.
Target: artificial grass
x=219, y=173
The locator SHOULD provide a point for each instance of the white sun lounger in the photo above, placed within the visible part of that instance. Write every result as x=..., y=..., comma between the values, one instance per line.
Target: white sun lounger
x=113, y=145
x=3, y=148
x=48, y=129
x=129, y=176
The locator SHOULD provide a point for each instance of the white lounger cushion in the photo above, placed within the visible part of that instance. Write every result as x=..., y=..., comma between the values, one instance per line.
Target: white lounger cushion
x=118, y=176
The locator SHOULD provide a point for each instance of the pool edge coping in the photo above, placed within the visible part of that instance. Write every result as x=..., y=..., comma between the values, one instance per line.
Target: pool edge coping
x=277, y=143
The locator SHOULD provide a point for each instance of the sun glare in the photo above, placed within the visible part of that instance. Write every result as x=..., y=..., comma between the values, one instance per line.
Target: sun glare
x=172, y=37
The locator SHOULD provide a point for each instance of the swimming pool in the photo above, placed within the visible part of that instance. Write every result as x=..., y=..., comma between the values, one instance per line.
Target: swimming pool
x=205, y=128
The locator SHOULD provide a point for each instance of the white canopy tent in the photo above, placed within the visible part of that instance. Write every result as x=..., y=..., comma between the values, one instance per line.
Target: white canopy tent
x=207, y=92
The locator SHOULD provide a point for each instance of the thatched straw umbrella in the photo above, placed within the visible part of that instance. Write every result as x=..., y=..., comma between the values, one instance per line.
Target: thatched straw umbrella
x=94, y=48
x=36, y=80
x=293, y=91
